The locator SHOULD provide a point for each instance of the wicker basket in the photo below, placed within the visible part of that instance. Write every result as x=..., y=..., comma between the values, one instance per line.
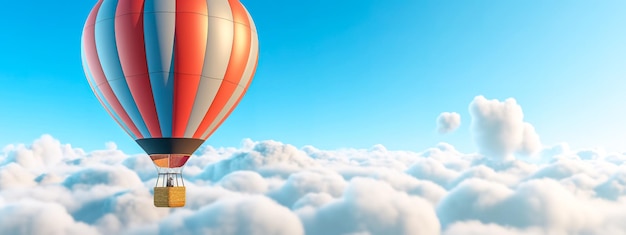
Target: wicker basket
x=169, y=196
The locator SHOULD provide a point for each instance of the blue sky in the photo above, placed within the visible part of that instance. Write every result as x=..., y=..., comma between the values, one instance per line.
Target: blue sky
x=336, y=74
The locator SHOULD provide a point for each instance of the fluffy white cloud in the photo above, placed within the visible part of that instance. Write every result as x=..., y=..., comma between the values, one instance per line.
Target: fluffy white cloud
x=499, y=130
x=372, y=207
x=544, y=204
x=448, y=122
x=478, y=228
x=411, y=185
x=614, y=187
x=14, y=175
x=254, y=215
x=432, y=170
x=530, y=143
x=245, y=182
x=33, y=217
x=269, y=158
x=302, y=183
x=103, y=175
x=43, y=152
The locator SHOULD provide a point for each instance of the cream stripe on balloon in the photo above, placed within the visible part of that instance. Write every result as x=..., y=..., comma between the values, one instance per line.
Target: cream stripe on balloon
x=218, y=52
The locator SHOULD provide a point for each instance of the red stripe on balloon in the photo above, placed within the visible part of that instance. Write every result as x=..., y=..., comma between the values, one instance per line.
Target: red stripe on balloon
x=178, y=160
x=242, y=43
x=129, y=35
x=96, y=71
x=189, y=49
x=238, y=99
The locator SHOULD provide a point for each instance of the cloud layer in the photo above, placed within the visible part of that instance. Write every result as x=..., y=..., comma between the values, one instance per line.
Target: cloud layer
x=268, y=187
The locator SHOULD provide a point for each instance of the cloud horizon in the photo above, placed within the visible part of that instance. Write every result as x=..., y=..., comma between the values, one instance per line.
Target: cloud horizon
x=269, y=187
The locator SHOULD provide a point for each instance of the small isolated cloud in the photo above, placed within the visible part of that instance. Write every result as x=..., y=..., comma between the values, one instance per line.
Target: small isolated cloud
x=499, y=130
x=448, y=122
x=110, y=145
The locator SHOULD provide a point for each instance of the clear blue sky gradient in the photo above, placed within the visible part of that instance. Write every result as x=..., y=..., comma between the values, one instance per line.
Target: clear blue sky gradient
x=337, y=74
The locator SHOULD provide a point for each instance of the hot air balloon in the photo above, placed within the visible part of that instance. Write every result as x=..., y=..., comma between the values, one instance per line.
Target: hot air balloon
x=169, y=72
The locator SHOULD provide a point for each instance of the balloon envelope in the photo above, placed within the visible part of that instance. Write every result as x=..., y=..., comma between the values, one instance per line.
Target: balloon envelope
x=169, y=71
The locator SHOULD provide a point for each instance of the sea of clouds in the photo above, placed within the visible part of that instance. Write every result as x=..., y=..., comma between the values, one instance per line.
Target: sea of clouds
x=513, y=185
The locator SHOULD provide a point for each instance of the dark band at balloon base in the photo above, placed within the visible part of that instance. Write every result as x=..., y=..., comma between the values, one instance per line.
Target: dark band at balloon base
x=185, y=146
